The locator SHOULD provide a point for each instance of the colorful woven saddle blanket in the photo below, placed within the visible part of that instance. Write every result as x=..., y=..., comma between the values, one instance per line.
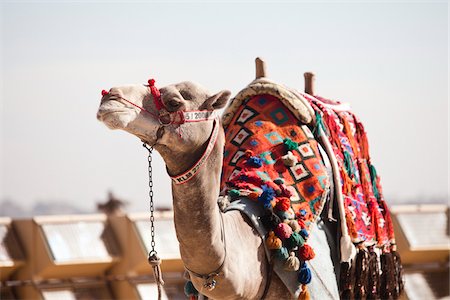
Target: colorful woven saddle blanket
x=272, y=158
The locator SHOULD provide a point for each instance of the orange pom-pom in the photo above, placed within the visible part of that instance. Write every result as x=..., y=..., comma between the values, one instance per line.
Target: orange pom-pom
x=306, y=252
x=273, y=242
x=304, y=294
x=248, y=153
x=253, y=195
x=283, y=204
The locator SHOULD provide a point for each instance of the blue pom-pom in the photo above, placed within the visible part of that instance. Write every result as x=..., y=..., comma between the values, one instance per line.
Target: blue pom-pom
x=189, y=289
x=304, y=276
x=304, y=233
x=266, y=196
x=281, y=253
x=254, y=162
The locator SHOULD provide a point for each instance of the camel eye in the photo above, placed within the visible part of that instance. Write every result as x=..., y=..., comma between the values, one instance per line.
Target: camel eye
x=174, y=104
x=186, y=95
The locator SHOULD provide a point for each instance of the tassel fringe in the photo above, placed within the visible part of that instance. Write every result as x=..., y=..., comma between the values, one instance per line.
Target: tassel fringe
x=373, y=286
x=365, y=280
x=399, y=284
x=345, y=281
x=387, y=276
x=361, y=274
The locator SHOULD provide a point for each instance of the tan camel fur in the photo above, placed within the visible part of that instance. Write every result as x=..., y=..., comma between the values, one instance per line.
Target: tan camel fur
x=196, y=213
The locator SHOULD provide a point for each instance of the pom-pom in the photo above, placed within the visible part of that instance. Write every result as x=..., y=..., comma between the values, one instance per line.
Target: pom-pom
x=304, y=294
x=304, y=276
x=281, y=253
x=254, y=162
x=279, y=181
x=301, y=223
x=283, y=231
x=270, y=220
x=234, y=193
x=290, y=144
x=248, y=153
x=151, y=82
x=283, y=215
x=289, y=191
x=292, y=263
x=306, y=252
x=283, y=204
x=294, y=225
x=273, y=242
x=289, y=159
x=266, y=196
x=253, y=195
x=104, y=92
x=295, y=240
x=189, y=289
x=304, y=233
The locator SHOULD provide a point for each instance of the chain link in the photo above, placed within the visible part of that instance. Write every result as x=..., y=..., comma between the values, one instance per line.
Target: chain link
x=150, y=194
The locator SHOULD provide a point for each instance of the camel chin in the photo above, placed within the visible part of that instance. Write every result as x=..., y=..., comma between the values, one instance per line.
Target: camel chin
x=117, y=119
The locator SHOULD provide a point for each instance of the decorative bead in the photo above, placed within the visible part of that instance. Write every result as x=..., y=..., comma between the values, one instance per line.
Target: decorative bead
x=273, y=242
x=292, y=263
x=234, y=193
x=281, y=253
x=304, y=276
x=295, y=240
x=304, y=233
x=290, y=144
x=266, y=196
x=294, y=225
x=254, y=162
x=283, y=204
x=306, y=252
x=279, y=181
x=289, y=159
x=283, y=231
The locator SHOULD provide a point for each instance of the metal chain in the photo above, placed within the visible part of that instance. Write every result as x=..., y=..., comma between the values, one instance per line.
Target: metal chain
x=150, y=194
x=153, y=259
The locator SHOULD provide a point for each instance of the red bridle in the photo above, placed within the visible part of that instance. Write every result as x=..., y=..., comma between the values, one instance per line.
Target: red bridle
x=165, y=117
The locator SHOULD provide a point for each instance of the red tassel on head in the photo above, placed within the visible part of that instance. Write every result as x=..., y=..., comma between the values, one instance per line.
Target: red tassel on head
x=104, y=92
x=156, y=94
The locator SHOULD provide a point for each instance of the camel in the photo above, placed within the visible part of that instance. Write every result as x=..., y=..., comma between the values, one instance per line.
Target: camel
x=209, y=240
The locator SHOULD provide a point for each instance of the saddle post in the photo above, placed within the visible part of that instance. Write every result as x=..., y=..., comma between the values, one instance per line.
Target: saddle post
x=309, y=82
x=260, y=68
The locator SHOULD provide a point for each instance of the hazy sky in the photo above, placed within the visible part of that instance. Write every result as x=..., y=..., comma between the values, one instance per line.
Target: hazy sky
x=390, y=61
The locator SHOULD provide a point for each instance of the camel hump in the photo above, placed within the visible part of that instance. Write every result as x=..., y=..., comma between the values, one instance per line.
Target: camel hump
x=295, y=101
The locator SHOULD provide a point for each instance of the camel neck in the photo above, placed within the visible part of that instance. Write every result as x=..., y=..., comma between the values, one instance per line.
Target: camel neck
x=196, y=214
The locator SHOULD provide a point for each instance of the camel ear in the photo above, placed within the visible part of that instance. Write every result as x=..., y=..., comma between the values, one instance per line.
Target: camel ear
x=216, y=101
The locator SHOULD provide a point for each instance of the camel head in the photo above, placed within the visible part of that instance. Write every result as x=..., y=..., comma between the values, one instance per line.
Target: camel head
x=120, y=109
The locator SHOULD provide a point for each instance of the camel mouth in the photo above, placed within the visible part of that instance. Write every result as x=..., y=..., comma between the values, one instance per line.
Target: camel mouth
x=103, y=114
